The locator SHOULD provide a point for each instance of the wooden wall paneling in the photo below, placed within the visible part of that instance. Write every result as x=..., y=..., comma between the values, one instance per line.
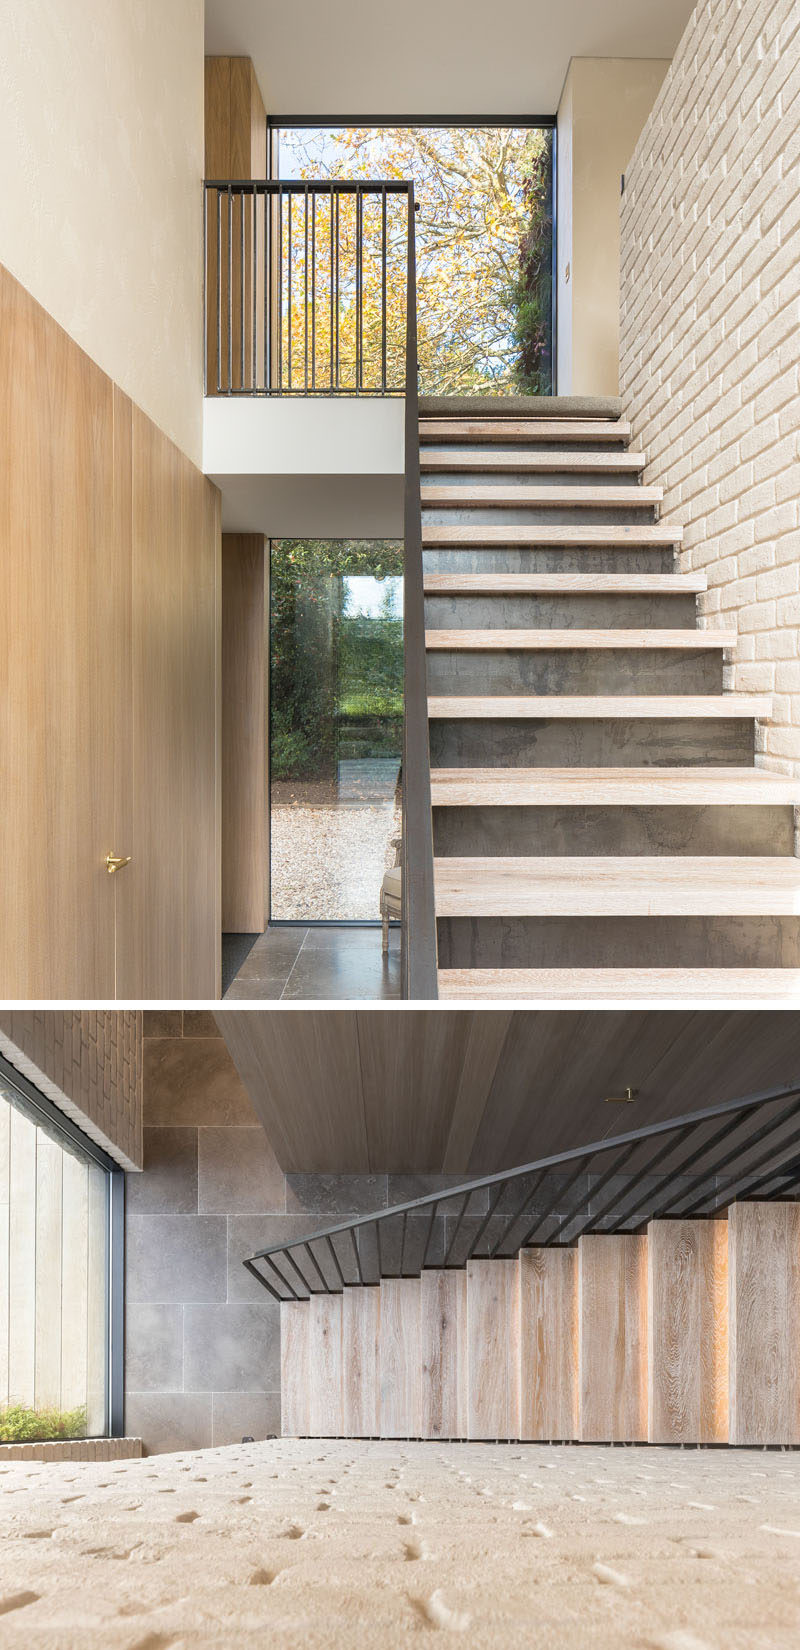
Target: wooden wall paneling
x=361, y=1316
x=687, y=1331
x=548, y=1339
x=57, y=640
x=400, y=1372
x=493, y=1348
x=486, y=1034
x=49, y=1262
x=5, y=1168
x=295, y=1369
x=151, y=949
x=201, y=720
x=245, y=733
x=442, y=1352
x=236, y=148
x=325, y=1366
x=410, y=1073
x=22, y=1260
x=612, y=1338
x=74, y=1282
x=123, y=886
x=305, y=1086
x=764, y=1322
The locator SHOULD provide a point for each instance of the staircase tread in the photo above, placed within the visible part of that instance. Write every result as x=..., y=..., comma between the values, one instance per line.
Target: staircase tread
x=476, y=534
x=575, y=584
x=557, y=640
x=659, y=985
x=589, y=706
x=610, y=787
x=601, y=463
x=522, y=429
x=562, y=498
x=624, y=885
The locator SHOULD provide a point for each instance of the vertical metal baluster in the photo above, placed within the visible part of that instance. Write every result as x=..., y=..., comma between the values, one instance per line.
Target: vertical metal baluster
x=331, y=285
x=359, y=289
x=241, y=289
x=218, y=291
x=383, y=290
x=267, y=289
x=337, y=291
x=254, y=278
x=305, y=291
x=314, y=289
x=403, y=1242
x=230, y=289
x=280, y=290
x=205, y=290
x=289, y=198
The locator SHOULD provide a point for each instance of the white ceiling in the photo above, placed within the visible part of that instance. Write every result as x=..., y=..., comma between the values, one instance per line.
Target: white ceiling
x=431, y=57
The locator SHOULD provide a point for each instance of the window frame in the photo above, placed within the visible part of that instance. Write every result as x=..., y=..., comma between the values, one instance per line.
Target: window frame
x=276, y=123
x=45, y=1112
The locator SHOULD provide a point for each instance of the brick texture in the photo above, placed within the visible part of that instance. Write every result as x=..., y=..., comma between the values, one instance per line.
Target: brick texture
x=90, y=1065
x=710, y=332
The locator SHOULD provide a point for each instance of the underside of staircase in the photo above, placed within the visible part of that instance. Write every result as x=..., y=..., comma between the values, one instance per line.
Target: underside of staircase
x=600, y=828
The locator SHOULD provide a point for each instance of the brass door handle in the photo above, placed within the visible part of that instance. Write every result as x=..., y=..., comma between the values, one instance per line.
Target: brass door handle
x=115, y=863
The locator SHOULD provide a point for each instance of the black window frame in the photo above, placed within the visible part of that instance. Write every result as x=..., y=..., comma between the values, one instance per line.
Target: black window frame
x=276, y=123
x=46, y=1113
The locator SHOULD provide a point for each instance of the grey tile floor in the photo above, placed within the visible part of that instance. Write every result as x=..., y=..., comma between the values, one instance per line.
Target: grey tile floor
x=318, y=964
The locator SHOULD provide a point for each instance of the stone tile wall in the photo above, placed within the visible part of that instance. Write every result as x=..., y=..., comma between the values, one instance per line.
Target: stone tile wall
x=202, y=1337
x=710, y=341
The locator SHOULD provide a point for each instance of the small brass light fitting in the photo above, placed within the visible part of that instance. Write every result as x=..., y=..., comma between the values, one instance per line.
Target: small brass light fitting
x=625, y=1099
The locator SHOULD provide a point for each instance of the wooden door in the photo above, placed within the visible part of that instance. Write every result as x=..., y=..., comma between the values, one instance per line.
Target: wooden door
x=59, y=611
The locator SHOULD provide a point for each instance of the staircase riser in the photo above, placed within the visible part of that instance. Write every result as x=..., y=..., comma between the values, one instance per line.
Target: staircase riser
x=659, y=558
x=573, y=612
x=551, y=831
x=529, y=478
x=619, y=942
x=530, y=515
x=683, y=1334
x=486, y=743
x=593, y=671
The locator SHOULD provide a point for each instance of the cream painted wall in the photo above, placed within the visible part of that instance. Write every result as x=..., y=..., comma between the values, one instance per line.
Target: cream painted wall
x=101, y=161
x=603, y=107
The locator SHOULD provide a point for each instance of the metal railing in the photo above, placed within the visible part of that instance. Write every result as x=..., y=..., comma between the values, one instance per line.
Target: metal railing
x=692, y=1166
x=305, y=287
x=418, y=964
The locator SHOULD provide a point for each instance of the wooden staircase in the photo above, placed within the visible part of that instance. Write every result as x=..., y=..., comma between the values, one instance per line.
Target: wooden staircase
x=684, y=1334
x=600, y=828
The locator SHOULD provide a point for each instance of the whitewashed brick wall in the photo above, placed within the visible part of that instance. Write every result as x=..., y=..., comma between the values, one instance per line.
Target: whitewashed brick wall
x=710, y=332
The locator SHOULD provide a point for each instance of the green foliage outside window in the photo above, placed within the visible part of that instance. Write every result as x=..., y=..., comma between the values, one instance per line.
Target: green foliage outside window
x=20, y=1424
x=336, y=677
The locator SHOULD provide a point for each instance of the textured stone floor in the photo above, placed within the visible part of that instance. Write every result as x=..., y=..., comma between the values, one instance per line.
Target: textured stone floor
x=372, y=1545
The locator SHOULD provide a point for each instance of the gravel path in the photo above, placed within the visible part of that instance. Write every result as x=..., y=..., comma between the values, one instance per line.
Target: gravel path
x=328, y=860
x=331, y=1545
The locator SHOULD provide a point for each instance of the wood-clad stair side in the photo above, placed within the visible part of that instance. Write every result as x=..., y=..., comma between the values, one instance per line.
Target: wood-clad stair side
x=593, y=777
x=686, y=1333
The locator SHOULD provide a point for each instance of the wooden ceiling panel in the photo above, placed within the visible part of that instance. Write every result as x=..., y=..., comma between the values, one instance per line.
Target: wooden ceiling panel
x=303, y=1075
x=411, y=1065
x=473, y=1091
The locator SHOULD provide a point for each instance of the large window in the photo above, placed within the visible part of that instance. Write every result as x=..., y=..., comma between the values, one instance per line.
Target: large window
x=60, y=1222
x=336, y=697
x=484, y=246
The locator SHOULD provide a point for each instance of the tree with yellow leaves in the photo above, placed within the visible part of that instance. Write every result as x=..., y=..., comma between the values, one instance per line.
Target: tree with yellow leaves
x=484, y=247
